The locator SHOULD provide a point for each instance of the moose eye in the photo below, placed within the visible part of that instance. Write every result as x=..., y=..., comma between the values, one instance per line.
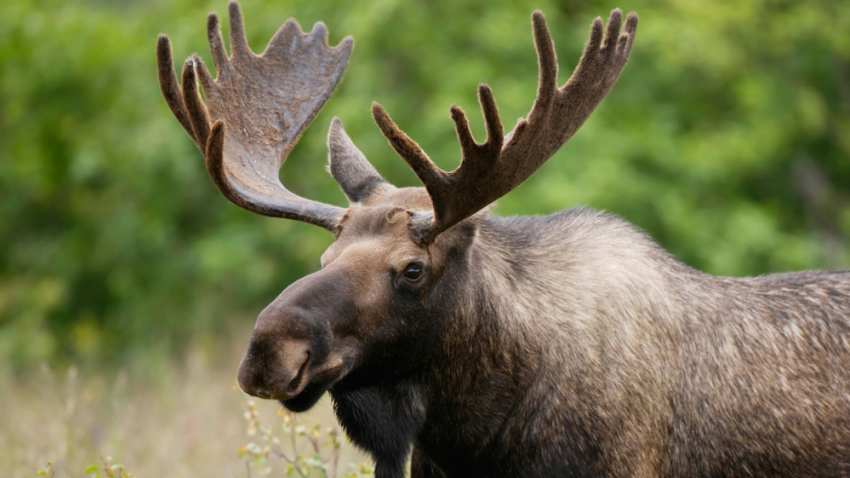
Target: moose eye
x=413, y=272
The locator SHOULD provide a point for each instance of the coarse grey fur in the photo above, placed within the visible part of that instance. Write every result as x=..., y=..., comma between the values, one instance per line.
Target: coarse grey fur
x=564, y=345
x=663, y=370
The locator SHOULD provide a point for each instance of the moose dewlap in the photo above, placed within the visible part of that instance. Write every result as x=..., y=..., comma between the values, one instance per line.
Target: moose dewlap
x=565, y=345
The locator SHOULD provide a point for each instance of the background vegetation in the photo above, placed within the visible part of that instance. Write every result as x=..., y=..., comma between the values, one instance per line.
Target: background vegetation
x=727, y=138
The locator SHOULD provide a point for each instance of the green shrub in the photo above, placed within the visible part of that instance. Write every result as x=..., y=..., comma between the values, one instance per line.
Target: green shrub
x=726, y=139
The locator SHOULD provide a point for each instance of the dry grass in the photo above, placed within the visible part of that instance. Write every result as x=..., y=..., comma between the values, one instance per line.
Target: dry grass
x=187, y=422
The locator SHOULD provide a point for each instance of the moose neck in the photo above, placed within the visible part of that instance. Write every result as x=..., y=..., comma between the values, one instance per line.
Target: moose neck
x=535, y=291
x=490, y=353
x=542, y=291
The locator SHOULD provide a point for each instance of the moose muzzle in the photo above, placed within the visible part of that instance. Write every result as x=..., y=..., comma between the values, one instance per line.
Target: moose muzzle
x=292, y=339
x=276, y=371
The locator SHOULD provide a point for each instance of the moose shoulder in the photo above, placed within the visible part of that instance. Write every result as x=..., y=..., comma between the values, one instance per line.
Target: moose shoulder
x=565, y=345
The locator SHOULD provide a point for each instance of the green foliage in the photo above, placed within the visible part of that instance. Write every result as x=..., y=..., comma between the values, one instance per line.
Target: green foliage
x=727, y=139
x=47, y=470
x=108, y=468
x=286, y=448
x=302, y=451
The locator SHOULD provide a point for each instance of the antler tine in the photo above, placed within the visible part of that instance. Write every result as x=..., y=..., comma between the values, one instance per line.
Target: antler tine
x=412, y=153
x=490, y=170
x=238, y=40
x=547, y=61
x=169, y=86
x=219, y=53
x=256, y=109
x=198, y=114
x=474, y=154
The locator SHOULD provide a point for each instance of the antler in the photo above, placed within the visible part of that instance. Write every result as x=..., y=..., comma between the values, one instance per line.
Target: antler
x=256, y=110
x=490, y=170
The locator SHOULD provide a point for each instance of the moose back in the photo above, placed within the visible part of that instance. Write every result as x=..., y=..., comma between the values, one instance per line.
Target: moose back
x=565, y=345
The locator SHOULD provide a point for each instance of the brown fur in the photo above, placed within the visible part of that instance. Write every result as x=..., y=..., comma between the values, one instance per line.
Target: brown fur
x=667, y=371
x=565, y=345
x=577, y=340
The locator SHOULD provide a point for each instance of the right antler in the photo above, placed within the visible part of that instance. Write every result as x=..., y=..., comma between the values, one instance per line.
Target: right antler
x=490, y=170
x=256, y=110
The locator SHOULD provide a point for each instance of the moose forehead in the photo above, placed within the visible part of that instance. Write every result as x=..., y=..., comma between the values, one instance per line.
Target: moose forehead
x=379, y=226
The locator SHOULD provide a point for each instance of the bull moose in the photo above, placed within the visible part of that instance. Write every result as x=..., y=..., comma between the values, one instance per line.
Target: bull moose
x=564, y=345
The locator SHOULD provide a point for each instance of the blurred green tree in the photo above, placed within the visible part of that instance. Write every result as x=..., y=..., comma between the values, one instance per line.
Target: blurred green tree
x=727, y=139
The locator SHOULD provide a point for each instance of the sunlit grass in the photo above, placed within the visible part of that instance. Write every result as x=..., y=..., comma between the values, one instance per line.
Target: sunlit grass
x=189, y=421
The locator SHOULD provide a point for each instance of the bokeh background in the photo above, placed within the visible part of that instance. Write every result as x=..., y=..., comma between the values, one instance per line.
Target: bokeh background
x=128, y=286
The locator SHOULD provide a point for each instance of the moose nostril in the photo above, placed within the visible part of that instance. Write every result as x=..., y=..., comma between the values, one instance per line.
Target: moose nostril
x=264, y=394
x=295, y=383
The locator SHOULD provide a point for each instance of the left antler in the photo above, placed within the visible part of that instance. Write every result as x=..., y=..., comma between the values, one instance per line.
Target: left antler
x=490, y=170
x=256, y=110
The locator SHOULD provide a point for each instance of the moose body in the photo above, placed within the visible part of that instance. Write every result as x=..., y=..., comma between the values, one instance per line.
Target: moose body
x=565, y=345
x=581, y=348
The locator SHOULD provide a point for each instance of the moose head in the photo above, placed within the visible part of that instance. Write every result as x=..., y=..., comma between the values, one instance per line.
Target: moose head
x=394, y=247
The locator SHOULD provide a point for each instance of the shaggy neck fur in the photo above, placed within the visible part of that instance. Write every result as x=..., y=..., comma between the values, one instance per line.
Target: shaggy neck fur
x=552, y=291
x=580, y=338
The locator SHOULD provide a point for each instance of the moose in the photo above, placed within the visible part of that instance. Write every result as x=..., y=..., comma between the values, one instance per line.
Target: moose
x=479, y=345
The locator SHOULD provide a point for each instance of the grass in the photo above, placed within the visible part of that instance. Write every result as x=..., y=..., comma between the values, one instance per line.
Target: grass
x=188, y=421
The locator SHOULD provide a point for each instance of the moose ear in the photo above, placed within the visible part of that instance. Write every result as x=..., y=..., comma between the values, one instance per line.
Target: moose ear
x=355, y=175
